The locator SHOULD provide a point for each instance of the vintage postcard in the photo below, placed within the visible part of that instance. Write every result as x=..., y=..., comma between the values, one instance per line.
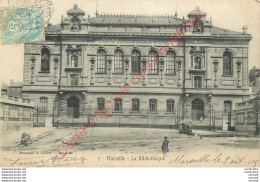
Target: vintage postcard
x=106, y=83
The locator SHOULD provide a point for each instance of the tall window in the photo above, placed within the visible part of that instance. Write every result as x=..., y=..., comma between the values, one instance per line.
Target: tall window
x=45, y=60
x=118, y=104
x=152, y=105
x=197, y=82
x=101, y=61
x=74, y=61
x=197, y=63
x=227, y=107
x=135, y=61
x=101, y=103
x=74, y=79
x=43, y=104
x=227, y=63
x=135, y=104
x=118, y=61
x=153, y=58
x=170, y=62
x=170, y=105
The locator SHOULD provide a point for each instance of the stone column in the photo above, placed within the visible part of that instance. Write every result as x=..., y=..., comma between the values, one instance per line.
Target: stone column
x=55, y=60
x=144, y=60
x=239, y=62
x=109, y=70
x=32, y=69
x=92, y=60
x=179, y=72
x=215, y=62
x=161, y=64
x=126, y=69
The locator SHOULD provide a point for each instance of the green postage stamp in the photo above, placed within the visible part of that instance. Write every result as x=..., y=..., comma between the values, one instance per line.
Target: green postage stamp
x=22, y=25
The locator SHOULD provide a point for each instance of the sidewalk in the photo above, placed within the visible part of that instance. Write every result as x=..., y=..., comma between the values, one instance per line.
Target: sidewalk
x=220, y=133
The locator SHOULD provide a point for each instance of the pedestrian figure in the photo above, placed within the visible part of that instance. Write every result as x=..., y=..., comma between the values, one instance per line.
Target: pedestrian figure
x=165, y=148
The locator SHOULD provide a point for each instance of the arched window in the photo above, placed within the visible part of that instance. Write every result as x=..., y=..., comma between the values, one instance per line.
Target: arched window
x=101, y=61
x=197, y=63
x=73, y=107
x=227, y=63
x=45, y=60
x=118, y=61
x=152, y=105
x=74, y=61
x=135, y=61
x=153, y=59
x=170, y=62
x=135, y=104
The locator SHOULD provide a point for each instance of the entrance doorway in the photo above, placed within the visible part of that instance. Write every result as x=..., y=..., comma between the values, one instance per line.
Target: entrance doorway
x=197, y=110
x=73, y=107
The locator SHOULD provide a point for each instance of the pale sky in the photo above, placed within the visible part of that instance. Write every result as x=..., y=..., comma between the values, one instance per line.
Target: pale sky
x=228, y=14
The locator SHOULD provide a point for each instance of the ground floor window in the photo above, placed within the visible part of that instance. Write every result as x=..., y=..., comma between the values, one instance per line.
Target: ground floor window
x=118, y=104
x=170, y=105
x=135, y=104
x=153, y=105
x=43, y=104
x=101, y=103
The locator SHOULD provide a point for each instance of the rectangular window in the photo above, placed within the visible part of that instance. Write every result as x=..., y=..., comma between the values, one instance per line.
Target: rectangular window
x=197, y=82
x=118, y=104
x=74, y=79
x=153, y=105
x=43, y=104
x=101, y=103
x=118, y=62
x=101, y=61
x=153, y=64
x=135, y=61
x=227, y=107
x=74, y=61
x=135, y=104
x=170, y=106
x=170, y=63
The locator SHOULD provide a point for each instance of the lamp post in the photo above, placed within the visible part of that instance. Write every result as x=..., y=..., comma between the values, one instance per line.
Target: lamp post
x=256, y=111
x=215, y=62
x=239, y=62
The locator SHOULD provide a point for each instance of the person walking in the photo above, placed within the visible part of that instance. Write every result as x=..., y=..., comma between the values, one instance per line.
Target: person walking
x=165, y=148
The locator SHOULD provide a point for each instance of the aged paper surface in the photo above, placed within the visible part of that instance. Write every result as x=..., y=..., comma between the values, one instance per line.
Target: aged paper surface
x=130, y=83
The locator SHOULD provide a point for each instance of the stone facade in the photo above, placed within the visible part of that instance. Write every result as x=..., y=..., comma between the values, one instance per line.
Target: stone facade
x=85, y=59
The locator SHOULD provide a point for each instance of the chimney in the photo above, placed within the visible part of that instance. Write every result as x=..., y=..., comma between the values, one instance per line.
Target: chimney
x=244, y=28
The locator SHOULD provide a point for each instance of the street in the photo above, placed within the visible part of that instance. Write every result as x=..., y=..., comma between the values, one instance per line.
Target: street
x=129, y=140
